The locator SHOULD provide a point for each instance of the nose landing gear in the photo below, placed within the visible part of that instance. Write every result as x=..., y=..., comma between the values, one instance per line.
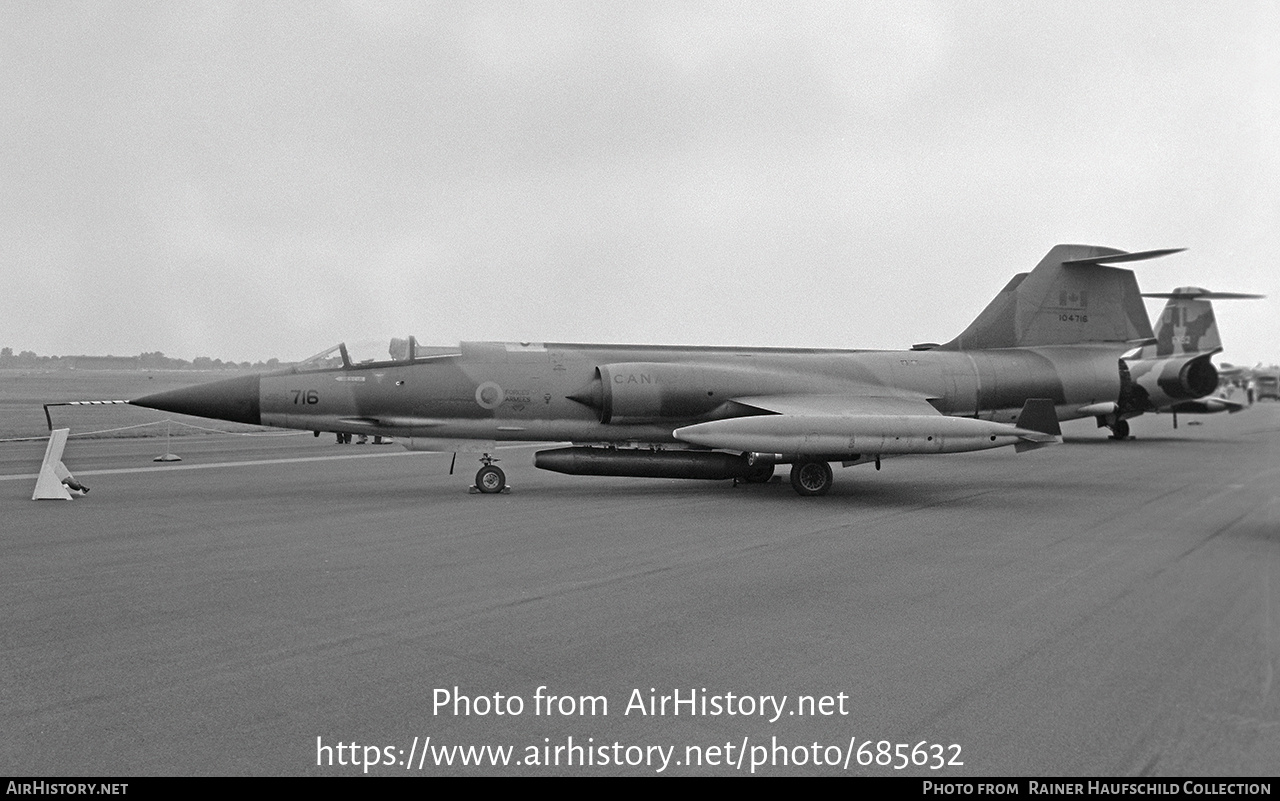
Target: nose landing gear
x=490, y=479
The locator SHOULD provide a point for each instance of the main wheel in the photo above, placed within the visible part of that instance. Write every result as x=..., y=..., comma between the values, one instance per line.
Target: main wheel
x=1120, y=430
x=490, y=479
x=758, y=474
x=811, y=478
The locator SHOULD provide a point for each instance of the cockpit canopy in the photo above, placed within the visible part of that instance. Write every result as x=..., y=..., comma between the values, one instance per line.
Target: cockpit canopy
x=366, y=353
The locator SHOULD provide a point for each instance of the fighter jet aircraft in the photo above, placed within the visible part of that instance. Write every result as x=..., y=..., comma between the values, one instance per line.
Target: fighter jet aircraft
x=1049, y=347
x=1186, y=336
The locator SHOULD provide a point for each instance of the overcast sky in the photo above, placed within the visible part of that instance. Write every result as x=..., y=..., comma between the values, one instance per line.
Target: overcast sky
x=247, y=180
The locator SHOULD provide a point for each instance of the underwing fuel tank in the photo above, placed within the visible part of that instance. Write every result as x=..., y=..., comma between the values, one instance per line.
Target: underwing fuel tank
x=836, y=436
x=636, y=463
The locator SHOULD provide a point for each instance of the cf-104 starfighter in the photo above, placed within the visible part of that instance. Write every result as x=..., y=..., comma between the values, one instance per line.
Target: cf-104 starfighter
x=1070, y=339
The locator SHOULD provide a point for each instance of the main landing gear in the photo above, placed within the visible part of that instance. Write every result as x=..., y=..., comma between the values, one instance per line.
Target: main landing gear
x=759, y=474
x=1120, y=431
x=490, y=479
x=811, y=478
x=1118, y=425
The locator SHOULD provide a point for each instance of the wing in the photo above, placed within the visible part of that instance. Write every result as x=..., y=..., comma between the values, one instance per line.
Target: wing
x=873, y=402
x=850, y=425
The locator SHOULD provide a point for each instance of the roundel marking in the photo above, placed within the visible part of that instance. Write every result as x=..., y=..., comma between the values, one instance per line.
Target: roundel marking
x=489, y=395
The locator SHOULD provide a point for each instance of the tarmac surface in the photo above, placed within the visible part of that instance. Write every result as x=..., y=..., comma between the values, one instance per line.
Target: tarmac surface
x=1098, y=608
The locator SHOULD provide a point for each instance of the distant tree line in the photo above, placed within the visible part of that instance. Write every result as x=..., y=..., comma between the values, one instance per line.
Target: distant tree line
x=144, y=361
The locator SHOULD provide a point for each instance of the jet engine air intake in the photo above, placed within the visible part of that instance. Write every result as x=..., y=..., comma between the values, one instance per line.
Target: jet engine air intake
x=650, y=391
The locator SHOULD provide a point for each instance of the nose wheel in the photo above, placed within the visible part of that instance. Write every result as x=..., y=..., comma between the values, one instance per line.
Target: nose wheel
x=490, y=479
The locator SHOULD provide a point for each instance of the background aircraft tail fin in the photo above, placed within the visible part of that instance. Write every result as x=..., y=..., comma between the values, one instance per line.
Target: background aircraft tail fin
x=1187, y=324
x=1071, y=296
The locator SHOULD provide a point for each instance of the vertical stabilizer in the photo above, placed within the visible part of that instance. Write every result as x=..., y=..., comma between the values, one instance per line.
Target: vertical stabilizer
x=1071, y=296
x=1187, y=325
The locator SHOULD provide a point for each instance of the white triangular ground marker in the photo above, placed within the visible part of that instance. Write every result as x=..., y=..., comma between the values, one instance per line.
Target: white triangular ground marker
x=49, y=484
x=168, y=455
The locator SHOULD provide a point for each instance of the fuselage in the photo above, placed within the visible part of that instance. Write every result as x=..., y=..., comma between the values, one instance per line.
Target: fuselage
x=609, y=393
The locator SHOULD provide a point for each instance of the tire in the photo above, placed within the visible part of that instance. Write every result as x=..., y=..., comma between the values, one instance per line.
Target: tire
x=811, y=478
x=490, y=479
x=1120, y=430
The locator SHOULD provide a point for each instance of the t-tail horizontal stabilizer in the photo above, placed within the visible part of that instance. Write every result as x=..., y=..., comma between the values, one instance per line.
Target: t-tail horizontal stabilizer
x=1120, y=258
x=1193, y=292
x=1039, y=415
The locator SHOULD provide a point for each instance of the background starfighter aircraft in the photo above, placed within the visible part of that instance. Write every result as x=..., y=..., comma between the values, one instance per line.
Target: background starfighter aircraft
x=1186, y=336
x=1048, y=347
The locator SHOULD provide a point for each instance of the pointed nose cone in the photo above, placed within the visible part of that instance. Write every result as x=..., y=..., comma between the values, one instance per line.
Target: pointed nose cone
x=234, y=399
